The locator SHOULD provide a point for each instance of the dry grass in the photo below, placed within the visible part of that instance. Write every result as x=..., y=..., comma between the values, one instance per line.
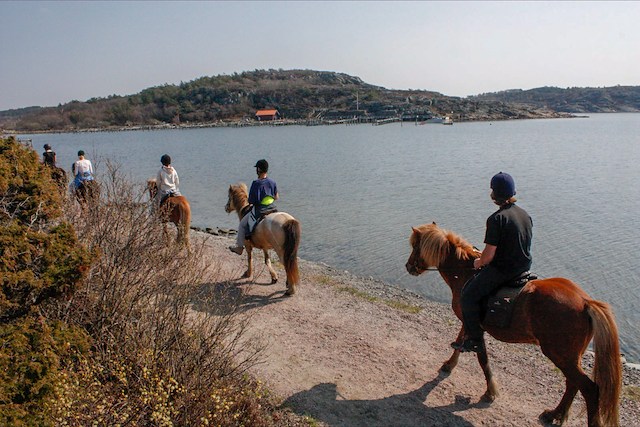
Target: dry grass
x=154, y=360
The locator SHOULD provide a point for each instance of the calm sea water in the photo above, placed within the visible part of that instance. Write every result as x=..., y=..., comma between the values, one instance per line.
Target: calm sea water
x=357, y=190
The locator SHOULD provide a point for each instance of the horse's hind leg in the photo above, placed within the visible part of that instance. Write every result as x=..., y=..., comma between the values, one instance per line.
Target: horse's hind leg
x=576, y=380
x=561, y=412
x=272, y=272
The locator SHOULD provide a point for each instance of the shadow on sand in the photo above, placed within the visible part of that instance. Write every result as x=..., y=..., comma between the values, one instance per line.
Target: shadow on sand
x=324, y=403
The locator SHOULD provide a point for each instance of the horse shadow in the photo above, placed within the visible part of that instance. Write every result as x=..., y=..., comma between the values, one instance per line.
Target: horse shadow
x=408, y=410
x=228, y=296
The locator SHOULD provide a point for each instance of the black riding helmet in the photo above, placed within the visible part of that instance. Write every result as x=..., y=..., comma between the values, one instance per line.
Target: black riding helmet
x=47, y=147
x=165, y=160
x=262, y=165
x=503, y=186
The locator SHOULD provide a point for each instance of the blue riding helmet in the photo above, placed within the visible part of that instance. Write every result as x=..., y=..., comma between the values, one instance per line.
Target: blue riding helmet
x=262, y=165
x=503, y=186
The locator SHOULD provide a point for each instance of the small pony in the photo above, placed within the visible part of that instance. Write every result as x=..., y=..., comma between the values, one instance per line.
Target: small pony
x=175, y=209
x=87, y=193
x=555, y=314
x=278, y=231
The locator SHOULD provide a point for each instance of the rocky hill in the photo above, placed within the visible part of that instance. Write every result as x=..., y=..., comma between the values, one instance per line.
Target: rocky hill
x=616, y=99
x=305, y=96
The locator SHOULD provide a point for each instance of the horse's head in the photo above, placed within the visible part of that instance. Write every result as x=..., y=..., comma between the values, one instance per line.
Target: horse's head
x=152, y=187
x=432, y=247
x=237, y=198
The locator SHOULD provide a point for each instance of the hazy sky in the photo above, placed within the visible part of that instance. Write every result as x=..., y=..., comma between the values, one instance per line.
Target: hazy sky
x=54, y=52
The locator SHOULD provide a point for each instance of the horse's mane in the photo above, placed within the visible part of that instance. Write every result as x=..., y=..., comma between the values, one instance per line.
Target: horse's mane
x=435, y=243
x=239, y=194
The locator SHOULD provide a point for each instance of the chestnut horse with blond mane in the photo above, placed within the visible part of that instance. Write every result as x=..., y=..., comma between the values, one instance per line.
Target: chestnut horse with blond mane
x=555, y=314
x=175, y=209
x=278, y=231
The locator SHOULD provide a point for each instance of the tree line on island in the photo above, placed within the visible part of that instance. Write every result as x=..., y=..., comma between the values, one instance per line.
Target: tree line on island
x=311, y=97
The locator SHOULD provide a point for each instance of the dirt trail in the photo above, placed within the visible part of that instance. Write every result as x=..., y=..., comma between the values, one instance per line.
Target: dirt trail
x=349, y=360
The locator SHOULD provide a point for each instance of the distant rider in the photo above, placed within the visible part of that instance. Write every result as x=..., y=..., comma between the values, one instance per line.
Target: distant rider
x=262, y=194
x=82, y=170
x=506, y=255
x=49, y=156
x=167, y=181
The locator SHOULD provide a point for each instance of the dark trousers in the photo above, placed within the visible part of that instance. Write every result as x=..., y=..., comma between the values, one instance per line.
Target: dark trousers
x=482, y=285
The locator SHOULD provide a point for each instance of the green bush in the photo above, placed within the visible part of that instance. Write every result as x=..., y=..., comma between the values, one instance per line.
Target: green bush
x=40, y=259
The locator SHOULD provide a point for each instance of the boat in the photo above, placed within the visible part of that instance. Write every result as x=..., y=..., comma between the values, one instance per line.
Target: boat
x=447, y=121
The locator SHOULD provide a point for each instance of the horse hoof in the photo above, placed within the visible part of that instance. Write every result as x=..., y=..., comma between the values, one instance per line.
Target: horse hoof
x=446, y=368
x=548, y=417
x=246, y=275
x=488, y=398
x=274, y=280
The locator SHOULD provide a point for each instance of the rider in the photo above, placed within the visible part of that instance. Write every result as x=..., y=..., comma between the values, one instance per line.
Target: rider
x=49, y=156
x=167, y=181
x=82, y=170
x=262, y=194
x=506, y=255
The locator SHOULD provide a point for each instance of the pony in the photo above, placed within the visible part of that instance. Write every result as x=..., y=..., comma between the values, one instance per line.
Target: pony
x=87, y=192
x=175, y=209
x=278, y=231
x=554, y=313
x=59, y=176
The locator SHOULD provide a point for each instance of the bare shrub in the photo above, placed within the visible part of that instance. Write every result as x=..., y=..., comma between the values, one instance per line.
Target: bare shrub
x=155, y=360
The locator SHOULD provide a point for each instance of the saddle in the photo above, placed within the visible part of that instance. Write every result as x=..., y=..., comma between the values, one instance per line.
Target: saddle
x=253, y=220
x=499, y=305
x=165, y=197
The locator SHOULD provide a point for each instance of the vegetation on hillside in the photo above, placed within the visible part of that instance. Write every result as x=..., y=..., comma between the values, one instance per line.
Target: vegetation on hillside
x=616, y=99
x=300, y=95
x=104, y=322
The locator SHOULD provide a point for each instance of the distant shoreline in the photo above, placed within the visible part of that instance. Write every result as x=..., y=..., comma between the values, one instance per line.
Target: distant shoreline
x=274, y=123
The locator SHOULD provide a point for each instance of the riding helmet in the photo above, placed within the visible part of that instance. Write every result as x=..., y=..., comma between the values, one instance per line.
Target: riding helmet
x=47, y=147
x=262, y=165
x=165, y=160
x=80, y=153
x=503, y=186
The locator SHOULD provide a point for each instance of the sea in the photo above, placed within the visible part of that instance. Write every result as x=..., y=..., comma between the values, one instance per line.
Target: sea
x=358, y=189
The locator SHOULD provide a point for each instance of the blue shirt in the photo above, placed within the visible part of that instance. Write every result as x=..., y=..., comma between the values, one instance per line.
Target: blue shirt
x=260, y=188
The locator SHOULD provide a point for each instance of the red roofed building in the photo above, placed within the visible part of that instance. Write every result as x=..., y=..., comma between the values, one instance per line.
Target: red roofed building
x=267, y=115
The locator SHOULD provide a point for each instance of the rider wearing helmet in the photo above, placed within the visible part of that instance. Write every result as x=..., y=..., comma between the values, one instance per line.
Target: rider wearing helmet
x=82, y=170
x=49, y=156
x=262, y=194
x=507, y=254
x=167, y=181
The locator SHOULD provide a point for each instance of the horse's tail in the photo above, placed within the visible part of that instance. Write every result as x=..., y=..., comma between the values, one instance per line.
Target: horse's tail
x=292, y=233
x=607, y=370
x=185, y=221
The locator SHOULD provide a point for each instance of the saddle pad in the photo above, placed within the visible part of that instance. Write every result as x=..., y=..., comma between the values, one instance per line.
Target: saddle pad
x=500, y=306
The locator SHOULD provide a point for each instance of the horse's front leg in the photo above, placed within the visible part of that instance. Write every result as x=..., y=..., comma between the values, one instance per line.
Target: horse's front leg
x=165, y=232
x=448, y=366
x=272, y=272
x=492, y=388
x=249, y=250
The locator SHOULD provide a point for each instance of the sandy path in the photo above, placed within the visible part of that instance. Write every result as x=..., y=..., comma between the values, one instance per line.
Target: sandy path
x=346, y=360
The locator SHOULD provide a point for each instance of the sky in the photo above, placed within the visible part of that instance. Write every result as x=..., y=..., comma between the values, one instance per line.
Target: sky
x=53, y=52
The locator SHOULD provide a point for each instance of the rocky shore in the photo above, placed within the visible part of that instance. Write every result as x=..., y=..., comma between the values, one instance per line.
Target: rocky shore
x=351, y=351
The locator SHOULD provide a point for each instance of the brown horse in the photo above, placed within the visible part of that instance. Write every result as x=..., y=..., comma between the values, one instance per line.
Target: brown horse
x=278, y=231
x=553, y=313
x=87, y=193
x=175, y=209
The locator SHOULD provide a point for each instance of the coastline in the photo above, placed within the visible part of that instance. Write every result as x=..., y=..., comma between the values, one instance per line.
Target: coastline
x=282, y=122
x=348, y=350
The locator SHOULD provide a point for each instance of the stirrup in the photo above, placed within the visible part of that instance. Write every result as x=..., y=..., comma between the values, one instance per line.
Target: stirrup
x=468, y=345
